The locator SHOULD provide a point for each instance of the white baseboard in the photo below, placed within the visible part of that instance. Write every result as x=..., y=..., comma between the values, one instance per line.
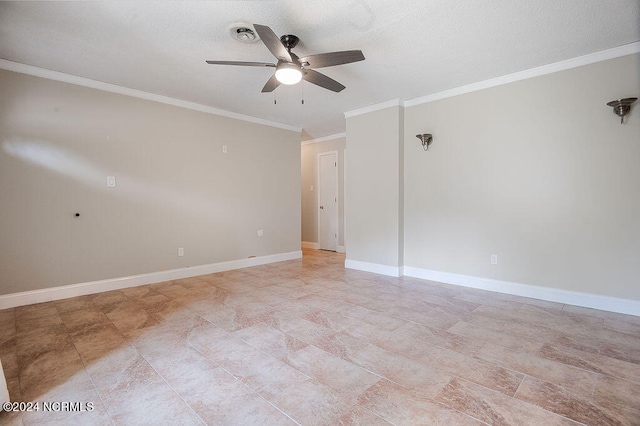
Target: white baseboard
x=310, y=245
x=392, y=271
x=587, y=300
x=316, y=246
x=73, y=290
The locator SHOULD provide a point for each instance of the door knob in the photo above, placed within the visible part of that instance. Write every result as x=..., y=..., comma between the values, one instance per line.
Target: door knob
x=322, y=207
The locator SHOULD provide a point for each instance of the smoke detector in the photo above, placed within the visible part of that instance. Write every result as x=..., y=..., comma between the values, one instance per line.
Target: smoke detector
x=243, y=33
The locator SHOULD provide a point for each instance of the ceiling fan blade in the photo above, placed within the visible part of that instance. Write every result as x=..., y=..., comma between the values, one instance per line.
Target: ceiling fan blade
x=333, y=58
x=271, y=84
x=322, y=80
x=244, y=64
x=273, y=43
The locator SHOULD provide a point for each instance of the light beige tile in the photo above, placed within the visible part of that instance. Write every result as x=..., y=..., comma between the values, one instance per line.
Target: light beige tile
x=453, y=363
x=359, y=416
x=427, y=380
x=496, y=337
x=442, y=338
x=526, y=331
x=153, y=302
x=48, y=370
x=248, y=409
x=139, y=291
x=400, y=406
x=575, y=379
x=38, y=320
x=127, y=316
x=561, y=320
x=149, y=403
x=310, y=402
x=97, y=343
x=301, y=329
x=231, y=319
x=618, y=397
x=108, y=300
x=605, y=315
x=495, y=408
x=74, y=303
x=7, y=322
x=592, y=362
x=346, y=379
x=34, y=342
x=560, y=401
x=270, y=340
x=324, y=303
x=10, y=364
x=619, y=351
x=370, y=316
x=306, y=341
x=80, y=321
x=37, y=310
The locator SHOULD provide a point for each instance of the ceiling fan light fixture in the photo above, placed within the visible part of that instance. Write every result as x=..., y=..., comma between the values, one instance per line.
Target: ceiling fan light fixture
x=290, y=68
x=288, y=74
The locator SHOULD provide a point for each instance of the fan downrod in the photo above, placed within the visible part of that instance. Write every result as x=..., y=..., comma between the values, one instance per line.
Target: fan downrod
x=290, y=41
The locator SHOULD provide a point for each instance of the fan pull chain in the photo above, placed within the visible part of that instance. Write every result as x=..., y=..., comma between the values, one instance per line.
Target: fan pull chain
x=302, y=89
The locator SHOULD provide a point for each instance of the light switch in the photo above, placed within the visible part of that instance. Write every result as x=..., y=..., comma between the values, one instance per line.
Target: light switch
x=311, y=189
x=111, y=181
x=224, y=149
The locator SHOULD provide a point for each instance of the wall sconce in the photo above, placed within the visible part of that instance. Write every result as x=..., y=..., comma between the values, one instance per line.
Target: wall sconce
x=622, y=107
x=426, y=139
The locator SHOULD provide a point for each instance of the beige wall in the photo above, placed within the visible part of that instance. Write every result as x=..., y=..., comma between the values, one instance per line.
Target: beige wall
x=374, y=187
x=310, y=177
x=175, y=187
x=539, y=172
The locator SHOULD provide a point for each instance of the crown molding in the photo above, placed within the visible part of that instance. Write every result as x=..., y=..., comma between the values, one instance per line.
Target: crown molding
x=121, y=90
x=374, y=107
x=324, y=139
x=603, y=55
x=592, y=58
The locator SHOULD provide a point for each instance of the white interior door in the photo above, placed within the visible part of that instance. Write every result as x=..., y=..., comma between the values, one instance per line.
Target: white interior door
x=328, y=200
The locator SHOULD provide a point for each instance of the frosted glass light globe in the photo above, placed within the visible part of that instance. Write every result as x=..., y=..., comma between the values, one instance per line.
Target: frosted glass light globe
x=288, y=74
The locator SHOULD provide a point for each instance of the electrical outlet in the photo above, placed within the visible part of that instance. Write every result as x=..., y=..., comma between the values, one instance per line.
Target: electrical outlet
x=494, y=259
x=180, y=251
x=260, y=232
x=111, y=181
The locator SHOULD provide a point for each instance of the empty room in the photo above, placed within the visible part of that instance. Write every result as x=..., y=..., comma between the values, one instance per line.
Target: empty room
x=320, y=213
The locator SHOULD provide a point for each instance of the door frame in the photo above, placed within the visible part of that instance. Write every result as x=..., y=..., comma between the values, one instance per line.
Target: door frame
x=337, y=189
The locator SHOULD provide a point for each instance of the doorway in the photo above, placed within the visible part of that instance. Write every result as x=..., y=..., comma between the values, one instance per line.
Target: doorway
x=328, y=200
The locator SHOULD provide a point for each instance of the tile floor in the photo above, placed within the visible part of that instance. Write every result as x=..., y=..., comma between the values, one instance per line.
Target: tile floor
x=308, y=342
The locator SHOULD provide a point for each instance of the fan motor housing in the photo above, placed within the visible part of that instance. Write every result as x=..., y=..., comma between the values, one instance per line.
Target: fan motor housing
x=290, y=41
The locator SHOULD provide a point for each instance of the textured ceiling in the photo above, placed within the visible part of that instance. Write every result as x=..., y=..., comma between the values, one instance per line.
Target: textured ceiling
x=412, y=48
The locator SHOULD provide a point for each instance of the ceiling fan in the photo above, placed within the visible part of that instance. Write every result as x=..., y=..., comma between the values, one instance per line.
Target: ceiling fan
x=290, y=69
